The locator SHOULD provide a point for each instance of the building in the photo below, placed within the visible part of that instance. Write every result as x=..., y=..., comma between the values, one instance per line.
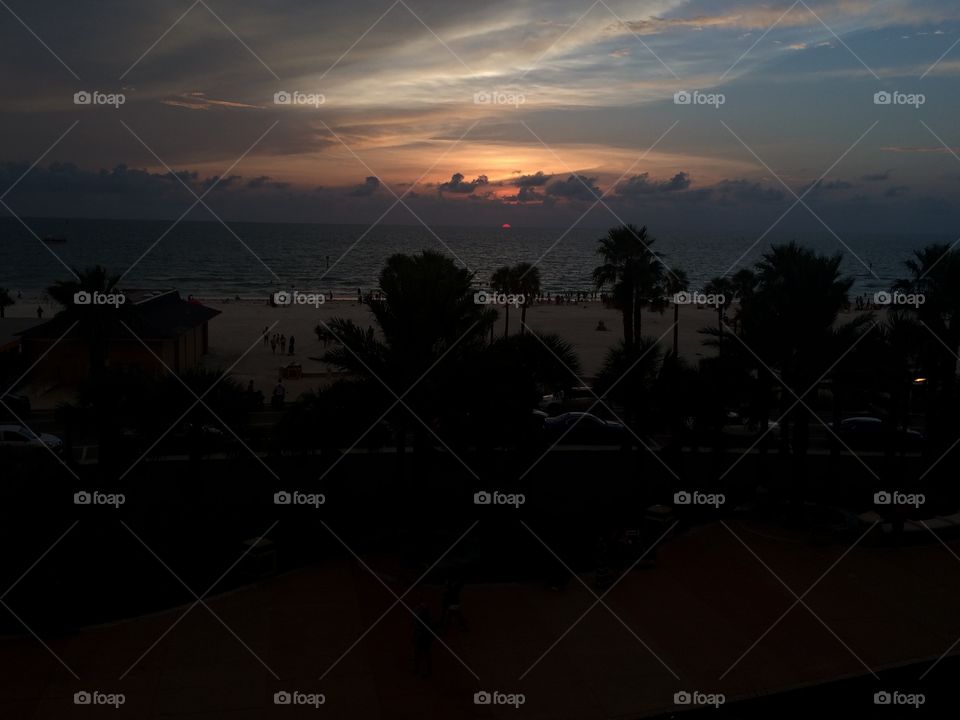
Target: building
x=175, y=332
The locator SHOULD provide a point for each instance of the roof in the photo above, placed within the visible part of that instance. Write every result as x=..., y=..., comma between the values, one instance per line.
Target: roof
x=151, y=316
x=11, y=329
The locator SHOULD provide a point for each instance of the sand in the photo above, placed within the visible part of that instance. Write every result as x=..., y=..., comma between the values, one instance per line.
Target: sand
x=239, y=326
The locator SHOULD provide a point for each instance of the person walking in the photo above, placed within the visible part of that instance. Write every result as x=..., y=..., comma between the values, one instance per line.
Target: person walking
x=422, y=640
x=452, y=609
x=283, y=343
x=292, y=341
x=279, y=395
x=273, y=344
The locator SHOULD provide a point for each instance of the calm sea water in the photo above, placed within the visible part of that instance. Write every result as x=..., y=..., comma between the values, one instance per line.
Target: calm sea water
x=206, y=260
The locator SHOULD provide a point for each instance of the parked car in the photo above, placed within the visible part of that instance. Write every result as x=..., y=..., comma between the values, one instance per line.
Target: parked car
x=741, y=427
x=19, y=438
x=866, y=432
x=580, y=428
x=572, y=399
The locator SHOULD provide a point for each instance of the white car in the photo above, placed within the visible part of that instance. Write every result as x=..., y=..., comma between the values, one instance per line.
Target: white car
x=18, y=437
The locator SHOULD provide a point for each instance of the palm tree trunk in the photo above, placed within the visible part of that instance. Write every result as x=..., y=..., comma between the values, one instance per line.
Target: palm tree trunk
x=506, y=320
x=676, y=331
x=523, y=318
x=628, y=325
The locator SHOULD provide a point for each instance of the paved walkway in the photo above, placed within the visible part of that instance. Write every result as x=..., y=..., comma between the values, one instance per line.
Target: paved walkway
x=700, y=608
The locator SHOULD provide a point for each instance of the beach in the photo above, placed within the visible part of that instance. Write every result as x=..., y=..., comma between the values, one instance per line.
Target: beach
x=235, y=333
x=236, y=345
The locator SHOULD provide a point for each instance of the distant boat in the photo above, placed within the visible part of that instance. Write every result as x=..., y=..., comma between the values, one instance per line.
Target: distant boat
x=54, y=239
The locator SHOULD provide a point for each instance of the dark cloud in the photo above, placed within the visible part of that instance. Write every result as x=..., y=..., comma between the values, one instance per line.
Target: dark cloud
x=528, y=194
x=368, y=188
x=457, y=184
x=877, y=177
x=538, y=179
x=265, y=181
x=220, y=183
x=642, y=185
x=896, y=191
x=575, y=187
x=828, y=185
x=745, y=192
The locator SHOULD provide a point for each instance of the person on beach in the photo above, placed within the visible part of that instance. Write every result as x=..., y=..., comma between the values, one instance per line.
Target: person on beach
x=283, y=344
x=451, y=604
x=422, y=640
x=279, y=394
x=39, y=312
x=273, y=344
x=292, y=341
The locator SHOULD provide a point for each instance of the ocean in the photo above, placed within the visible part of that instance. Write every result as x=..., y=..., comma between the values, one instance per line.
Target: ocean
x=206, y=260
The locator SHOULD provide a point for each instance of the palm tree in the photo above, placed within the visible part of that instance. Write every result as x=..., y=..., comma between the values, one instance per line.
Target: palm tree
x=635, y=273
x=723, y=289
x=429, y=324
x=505, y=280
x=744, y=283
x=790, y=323
x=675, y=283
x=6, y=300
x=935, y=276
x=95, y=323
x=528, y=284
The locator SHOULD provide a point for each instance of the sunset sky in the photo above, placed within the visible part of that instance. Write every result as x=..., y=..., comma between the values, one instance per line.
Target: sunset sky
x=588, y=109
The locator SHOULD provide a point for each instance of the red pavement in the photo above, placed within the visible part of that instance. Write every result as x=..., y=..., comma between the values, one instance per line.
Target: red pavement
x=693, y=614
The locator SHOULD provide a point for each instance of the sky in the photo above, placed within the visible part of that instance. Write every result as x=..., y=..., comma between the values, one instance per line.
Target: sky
x=533, y=113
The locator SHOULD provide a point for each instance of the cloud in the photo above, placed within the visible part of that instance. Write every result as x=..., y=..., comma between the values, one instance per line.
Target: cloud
x=458, y=186
x=538, y=179
x=745, y=192
x=368, y=188
x=757, y=18
x=642, y=185
x=200, y=101
x=828, y=185
x=896, y=191
x=921, y=150
x=575, y=187
x=528, y=194
x=877, y=177
x=265, y=181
